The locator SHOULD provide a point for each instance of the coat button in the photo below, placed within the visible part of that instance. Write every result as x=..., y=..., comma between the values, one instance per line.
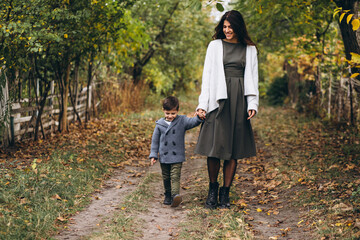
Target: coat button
x=165, y=144
x=165, y=153
x=173, y=143
x=174, y=153
x=174, y=131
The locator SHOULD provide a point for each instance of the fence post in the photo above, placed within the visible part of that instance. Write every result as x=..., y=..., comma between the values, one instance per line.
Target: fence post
x=4, y=109
x=12, y=131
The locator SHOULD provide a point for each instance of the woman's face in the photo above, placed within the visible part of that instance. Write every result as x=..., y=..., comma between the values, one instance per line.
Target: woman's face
x=229, y=32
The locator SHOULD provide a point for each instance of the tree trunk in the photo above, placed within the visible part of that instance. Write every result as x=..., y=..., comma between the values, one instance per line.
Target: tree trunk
x=349, y=37
x=352, y=117
x=76, y=84
x=40, y=111
x=73, y=103
x=318, y=86
x=90, y=69
x=64, y=122
x=329, y=97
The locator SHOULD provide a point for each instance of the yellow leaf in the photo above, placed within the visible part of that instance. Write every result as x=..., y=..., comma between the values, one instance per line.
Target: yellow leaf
x=338, y=224
x=33, y=166
x=355, y=57
x=259, y=210
x=300, y=222
x=65, y=35
x=336, y=11
x=349, y=18
x=356, y=24
x=354, y=75
x=342, y=16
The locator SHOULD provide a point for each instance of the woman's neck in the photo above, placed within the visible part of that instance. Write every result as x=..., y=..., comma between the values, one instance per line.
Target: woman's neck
x=233, y=40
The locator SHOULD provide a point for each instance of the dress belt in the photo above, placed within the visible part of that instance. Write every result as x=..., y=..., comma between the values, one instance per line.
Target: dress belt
x=234, y=72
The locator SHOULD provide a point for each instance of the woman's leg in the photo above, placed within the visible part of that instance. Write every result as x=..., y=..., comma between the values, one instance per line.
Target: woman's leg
x=213, y=170
x=213, y=165
x=229, y=170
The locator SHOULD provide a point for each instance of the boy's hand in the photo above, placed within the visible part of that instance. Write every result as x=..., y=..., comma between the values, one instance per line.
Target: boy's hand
x=201, y=113
x=152, y=161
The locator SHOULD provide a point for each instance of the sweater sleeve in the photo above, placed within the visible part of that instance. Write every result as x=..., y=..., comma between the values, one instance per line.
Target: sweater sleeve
x=155, y=140
x=253, y=100
x=205, y=85
x=192, y=122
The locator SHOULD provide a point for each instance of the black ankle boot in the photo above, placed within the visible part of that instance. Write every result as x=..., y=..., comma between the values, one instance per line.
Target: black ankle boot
x=224, y=199
x=211, y=201
x=168, y=198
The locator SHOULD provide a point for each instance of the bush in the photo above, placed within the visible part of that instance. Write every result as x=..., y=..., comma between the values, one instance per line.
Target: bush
x=278, y=90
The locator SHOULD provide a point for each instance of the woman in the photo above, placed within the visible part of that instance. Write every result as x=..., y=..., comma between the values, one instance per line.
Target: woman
x=229, y=98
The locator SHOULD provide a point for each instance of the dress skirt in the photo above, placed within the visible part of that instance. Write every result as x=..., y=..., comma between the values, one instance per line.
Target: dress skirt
x=226, y=133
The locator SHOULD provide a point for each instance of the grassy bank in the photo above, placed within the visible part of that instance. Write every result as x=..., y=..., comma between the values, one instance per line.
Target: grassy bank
x=321, y=161
x=44, y=183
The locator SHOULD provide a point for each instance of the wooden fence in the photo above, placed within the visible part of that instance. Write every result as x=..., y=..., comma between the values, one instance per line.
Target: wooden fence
x=23, y=115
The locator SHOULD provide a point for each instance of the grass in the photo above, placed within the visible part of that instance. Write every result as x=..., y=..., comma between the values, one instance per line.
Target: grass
x=55, y=178
x=35, y=199
x=322, y=160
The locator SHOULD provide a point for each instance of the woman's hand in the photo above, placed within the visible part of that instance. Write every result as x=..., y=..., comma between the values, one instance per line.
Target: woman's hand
x=251, y=114
x=201, y=113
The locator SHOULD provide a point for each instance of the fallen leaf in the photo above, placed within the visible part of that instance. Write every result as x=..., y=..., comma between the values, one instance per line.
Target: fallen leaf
x=342, y=207
x=61, y=219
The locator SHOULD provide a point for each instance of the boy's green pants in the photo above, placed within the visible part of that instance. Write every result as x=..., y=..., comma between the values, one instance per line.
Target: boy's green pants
x=171, y=175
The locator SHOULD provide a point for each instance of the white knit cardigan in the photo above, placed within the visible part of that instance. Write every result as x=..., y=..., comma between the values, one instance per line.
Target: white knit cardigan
x=213, y=87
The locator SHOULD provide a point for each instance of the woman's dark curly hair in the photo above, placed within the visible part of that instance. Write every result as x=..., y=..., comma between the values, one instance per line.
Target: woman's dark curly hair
x=237, y=24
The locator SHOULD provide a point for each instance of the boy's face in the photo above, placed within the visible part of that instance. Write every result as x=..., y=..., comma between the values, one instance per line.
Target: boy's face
x=170, y=115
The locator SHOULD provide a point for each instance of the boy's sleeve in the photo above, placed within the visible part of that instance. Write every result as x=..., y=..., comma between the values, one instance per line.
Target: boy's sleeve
x=192, y=122
x=154, y=152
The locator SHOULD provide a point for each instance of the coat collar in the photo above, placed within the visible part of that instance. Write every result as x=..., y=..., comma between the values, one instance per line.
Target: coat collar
x=162, y=122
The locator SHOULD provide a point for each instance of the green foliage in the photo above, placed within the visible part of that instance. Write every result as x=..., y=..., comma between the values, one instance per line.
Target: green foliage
x=179, y=55
x=278, y=90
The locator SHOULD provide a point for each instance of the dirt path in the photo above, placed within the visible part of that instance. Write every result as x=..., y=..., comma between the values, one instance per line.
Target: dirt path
x=162, y=221
x=270, y=210
x=278, y=218
x=105, y=203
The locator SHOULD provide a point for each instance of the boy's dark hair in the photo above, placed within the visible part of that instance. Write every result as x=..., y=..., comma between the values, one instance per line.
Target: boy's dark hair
x=170, y=103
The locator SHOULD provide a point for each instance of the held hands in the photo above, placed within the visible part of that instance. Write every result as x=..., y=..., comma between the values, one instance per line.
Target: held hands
x=251, y=114
x=152, y=161
x=201, y=113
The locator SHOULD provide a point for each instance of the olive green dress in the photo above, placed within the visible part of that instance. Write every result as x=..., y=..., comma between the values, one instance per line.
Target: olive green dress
x=226, y=133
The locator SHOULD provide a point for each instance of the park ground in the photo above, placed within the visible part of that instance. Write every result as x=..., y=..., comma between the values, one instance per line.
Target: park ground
x=96, y=183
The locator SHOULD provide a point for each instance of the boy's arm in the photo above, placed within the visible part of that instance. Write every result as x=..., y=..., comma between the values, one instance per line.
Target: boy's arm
x=154, y=150
x=192, y=122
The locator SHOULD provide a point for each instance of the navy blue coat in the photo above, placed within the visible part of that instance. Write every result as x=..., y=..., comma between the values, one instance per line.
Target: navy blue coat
x=168, y=141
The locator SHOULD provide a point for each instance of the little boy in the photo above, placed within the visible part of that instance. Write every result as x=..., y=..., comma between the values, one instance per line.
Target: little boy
x=168, y=145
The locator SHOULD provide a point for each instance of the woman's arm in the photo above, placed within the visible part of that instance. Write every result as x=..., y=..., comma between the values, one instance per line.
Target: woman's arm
x=205, y=85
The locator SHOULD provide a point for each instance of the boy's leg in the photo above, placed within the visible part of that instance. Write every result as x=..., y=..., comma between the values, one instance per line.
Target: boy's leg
x=165, y=171
x=175, y=176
